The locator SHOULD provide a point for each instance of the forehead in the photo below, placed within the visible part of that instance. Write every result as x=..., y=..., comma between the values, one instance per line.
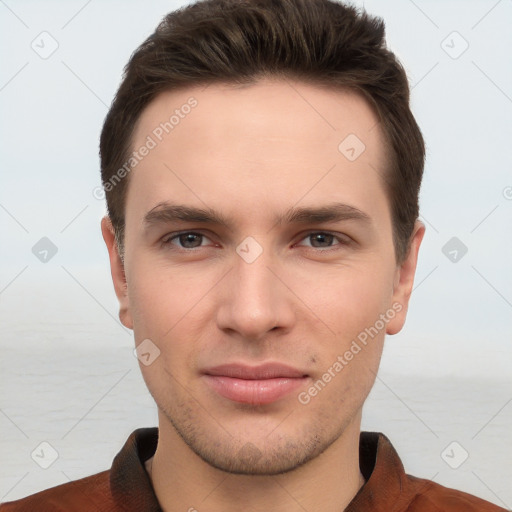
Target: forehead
x=271, y=106
x=270, y=142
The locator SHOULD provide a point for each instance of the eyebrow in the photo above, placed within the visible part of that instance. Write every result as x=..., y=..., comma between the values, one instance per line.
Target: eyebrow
x=166, y=212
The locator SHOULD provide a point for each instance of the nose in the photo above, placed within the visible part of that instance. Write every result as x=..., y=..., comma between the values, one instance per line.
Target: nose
x=255, y=300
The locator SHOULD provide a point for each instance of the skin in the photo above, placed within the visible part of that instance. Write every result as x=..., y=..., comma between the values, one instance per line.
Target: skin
x=252, y=153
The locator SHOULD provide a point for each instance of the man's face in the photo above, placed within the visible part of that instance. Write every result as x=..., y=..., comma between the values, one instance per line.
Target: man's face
x=297, y=292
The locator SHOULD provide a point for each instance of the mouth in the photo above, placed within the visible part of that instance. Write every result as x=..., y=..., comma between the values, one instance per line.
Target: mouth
x=255, y=385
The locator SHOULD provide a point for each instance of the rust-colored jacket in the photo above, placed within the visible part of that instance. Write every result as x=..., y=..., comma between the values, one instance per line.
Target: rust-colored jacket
x=126, y=486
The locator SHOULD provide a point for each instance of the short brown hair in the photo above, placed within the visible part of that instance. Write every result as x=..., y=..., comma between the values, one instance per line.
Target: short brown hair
x=321, y=42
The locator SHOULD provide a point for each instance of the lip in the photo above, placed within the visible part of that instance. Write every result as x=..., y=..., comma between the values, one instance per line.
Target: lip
x=256, y=385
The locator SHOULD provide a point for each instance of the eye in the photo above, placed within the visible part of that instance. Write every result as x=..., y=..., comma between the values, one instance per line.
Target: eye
x=185, y=240
x=189, y=240
x=324, y=240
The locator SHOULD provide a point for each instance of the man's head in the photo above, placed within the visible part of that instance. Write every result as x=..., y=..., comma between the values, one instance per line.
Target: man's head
x=240, y=41
x=263, y=224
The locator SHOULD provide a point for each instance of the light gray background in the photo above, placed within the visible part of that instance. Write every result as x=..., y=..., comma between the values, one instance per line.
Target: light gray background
x=68, y=375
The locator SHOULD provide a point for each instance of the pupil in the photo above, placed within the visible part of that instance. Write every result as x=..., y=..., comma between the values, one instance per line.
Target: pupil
x=322, y=237
x=189, y=238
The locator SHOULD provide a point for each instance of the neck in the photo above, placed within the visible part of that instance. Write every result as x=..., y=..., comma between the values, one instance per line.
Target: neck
x=183, y=481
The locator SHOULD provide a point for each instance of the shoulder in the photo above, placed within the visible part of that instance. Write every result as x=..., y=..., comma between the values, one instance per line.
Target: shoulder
x=125, y=486
x=389, y=486
x=91, y=493
x=428, y=496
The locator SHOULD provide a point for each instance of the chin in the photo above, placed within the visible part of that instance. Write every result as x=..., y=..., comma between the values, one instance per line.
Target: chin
x=252, y=451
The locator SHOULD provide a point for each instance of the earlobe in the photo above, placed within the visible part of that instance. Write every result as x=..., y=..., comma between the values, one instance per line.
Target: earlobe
x=404, y=280
x=117, y=271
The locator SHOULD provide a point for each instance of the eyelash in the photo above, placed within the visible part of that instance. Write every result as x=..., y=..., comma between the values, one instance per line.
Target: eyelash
x=342, y=241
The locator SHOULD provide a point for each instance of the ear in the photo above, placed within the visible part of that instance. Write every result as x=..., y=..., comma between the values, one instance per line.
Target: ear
x=117, y=271
x=404, y=280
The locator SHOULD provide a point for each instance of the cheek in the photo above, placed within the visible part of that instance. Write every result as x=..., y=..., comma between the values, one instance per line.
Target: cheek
x=159, y=313
x=159, y=297
x=347, y=299
x=168, y=308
